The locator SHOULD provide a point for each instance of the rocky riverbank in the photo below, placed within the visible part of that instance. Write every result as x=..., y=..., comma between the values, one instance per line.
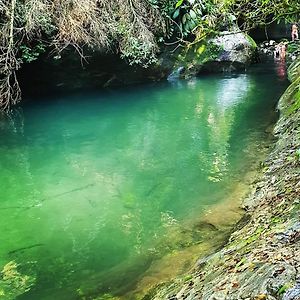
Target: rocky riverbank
x=262, y=257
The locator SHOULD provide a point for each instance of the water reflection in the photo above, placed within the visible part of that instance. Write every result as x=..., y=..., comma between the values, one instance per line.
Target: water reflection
x=230, y=92
x=281, y=68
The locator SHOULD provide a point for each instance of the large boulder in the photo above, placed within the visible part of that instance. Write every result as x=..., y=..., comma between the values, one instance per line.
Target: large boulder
x=227, y=52
x=238, y=48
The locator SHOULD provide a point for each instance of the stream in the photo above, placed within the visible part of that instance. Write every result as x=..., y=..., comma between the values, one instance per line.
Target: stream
x=98, y=187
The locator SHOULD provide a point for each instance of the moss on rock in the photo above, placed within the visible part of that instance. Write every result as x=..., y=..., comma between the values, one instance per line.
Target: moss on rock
x=229, y=51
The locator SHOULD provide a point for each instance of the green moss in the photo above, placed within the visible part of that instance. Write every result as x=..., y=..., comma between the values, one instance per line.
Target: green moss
x=284, y=288
x=276, y=220
x=251, y=41
x=198, y=54
x=298, y=154
x=241, y=262
x=211, y=52
x=201, y=49
x=188, y=278
x=296, y=104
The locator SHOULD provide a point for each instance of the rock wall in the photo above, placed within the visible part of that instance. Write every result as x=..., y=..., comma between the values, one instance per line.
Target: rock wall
x=262, y=258
x=273, y=31
x=71, y=72
x=228, y=52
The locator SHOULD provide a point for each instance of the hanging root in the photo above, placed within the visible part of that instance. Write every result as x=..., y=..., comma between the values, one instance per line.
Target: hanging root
x=9, y=88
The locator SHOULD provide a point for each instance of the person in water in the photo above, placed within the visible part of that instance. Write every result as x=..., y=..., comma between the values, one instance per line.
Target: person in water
x=277, y=51
x=280, y=51
x=295, y=35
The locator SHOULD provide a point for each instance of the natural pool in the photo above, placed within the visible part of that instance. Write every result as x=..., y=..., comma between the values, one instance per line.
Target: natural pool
x=96, y=187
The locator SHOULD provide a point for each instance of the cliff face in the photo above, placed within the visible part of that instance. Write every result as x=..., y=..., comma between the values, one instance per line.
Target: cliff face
x=261, y=259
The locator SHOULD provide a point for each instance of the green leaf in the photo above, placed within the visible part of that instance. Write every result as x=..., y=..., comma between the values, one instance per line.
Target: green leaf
x=193, y=14
x=186, y=27
x=176, y=13
x=179, y=3
x=193, y=24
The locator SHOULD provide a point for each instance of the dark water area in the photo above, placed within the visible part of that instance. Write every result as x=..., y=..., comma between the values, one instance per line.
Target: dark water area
x=50, y=76
x=96, y=186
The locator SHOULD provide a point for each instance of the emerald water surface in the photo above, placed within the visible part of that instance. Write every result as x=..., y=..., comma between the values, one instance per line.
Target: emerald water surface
x=94, y=184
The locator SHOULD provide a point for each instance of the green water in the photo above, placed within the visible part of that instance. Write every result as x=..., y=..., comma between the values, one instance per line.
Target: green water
x=93, y=183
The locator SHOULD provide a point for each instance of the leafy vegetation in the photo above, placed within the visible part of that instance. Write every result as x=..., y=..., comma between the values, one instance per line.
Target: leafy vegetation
x=29, y=54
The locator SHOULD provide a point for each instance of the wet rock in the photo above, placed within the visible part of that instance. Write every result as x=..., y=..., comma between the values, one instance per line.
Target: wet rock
x=205, y=226
x=281, y=276
x=243, y=221
x=236, y=51
x=291, y=234
x=203, y=261
x=293, y=293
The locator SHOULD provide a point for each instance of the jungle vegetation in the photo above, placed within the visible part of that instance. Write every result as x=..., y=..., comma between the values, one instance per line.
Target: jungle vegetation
x=134, y=29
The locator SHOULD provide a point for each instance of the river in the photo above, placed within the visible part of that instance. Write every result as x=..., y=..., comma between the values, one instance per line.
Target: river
x=99, y=186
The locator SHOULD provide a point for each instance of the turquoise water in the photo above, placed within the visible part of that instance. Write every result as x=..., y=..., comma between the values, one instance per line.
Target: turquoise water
x=94, y=183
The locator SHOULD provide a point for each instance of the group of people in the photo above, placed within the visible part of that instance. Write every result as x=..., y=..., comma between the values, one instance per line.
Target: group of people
x=280, y=49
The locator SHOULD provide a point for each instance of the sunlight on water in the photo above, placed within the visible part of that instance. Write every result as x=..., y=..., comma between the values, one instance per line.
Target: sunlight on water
x=95, y=186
